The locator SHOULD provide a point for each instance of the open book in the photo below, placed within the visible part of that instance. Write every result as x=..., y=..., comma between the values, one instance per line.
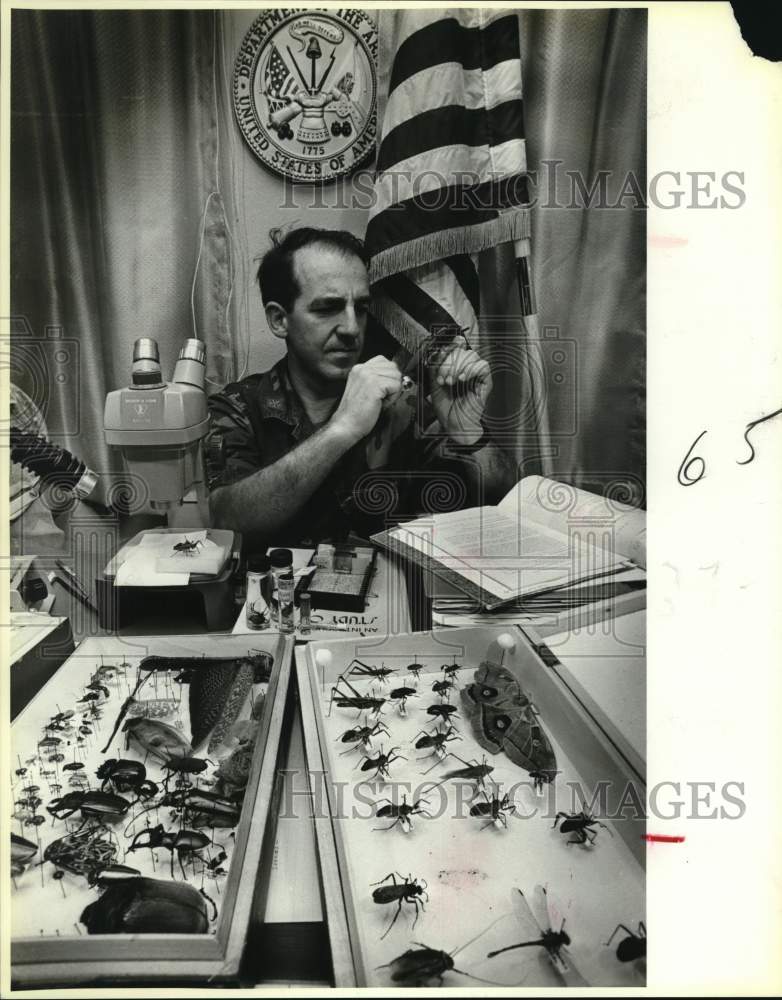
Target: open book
x=542, y=535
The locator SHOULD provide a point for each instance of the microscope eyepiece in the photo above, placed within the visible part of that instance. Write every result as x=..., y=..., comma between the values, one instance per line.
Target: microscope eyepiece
x=193, y=350
x=191, y=366
x=146, y=349
x=146, y=362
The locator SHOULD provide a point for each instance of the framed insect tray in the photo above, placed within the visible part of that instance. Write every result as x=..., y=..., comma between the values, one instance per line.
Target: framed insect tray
x=468, y=816
x=142, y=777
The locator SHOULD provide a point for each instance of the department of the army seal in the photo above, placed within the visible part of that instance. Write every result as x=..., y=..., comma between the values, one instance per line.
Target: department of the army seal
x=304, y=91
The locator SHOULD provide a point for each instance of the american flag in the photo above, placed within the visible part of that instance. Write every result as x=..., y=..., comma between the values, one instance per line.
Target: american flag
x=451, y=164
x=278, y=81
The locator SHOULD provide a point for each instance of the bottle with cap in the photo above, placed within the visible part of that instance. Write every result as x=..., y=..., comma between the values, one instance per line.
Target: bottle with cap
x=259, y=593
x=282, y=568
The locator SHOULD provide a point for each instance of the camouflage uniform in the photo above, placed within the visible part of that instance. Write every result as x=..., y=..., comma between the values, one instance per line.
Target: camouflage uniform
x=379, y=481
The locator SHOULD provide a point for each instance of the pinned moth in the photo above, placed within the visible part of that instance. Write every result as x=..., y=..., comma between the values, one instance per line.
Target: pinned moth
x=504, y=719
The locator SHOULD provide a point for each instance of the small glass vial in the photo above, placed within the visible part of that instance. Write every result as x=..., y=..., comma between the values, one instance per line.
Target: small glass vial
x=259, y=593
x=305, y=606
x=282, y=568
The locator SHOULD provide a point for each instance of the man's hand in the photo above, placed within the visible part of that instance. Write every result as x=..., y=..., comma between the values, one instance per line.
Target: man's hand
x=461, y=383
x=370, y=387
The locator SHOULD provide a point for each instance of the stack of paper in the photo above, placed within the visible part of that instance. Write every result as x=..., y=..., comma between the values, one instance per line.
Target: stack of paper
x=451, y=607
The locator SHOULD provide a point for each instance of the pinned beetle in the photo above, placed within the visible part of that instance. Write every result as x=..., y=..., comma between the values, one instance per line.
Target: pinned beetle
x=184, y=765
x=186, y=843
x=419, y=966
x=147, y=906
x=95, y=805
x=127, y=776
x=197, y=808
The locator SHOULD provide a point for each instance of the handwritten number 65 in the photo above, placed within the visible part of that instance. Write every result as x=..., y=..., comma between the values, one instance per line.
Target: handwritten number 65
x=684, y=476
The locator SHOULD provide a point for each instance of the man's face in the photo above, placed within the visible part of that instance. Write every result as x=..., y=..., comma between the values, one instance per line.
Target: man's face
x=326, y=325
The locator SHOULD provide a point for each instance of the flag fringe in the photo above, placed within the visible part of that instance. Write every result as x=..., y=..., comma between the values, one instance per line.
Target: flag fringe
x=402, y=327
x=514, y=224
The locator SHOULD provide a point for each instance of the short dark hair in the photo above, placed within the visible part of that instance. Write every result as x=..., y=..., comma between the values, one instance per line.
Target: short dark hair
x=275, y=273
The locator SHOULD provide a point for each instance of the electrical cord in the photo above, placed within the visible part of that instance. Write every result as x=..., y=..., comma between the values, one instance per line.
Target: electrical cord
x=46, y=460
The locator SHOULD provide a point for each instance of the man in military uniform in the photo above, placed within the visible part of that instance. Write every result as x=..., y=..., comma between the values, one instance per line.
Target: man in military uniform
x=331, y=440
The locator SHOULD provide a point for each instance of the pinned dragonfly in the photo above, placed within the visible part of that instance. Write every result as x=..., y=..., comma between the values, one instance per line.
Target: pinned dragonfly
x=535, y=918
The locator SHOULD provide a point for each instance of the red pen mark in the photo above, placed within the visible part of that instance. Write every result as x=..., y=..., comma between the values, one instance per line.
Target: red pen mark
x=661, y=838
x=665, y=242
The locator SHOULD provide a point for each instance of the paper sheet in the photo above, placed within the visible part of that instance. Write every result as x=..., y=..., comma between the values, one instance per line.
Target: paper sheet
x=502, y=555
x=140, y=565
x=560, y=506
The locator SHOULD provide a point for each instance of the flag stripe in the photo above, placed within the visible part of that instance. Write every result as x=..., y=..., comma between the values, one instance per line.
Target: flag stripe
x=451, y=166
x=439, y=282
x=451, y=126
x=447, y=84
x=422, y=307
x=466, y=274
x=449, y=308
x=448, y=41
x=460, y=167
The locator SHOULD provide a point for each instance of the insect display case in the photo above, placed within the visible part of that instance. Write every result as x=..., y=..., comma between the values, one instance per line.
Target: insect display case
x=473, y=821
x=143, y=793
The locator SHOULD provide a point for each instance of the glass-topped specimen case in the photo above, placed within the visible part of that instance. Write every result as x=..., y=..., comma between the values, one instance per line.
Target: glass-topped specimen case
x=142, y=781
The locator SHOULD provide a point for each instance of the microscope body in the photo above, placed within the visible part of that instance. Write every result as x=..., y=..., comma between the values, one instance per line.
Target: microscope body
x=159, y=428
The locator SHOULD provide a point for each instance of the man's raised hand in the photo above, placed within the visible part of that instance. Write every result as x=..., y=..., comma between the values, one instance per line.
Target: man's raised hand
x=369, y=387
x=461, y=383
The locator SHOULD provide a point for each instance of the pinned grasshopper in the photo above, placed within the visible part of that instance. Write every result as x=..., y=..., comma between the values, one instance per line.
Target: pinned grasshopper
x=353, y=699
